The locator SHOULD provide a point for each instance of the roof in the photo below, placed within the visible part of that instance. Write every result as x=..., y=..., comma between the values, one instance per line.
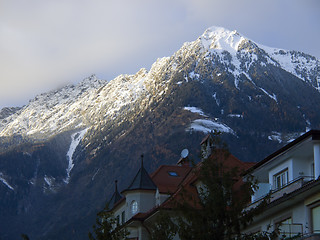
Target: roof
x=185, y=180
x=230, y=161
x=313, y=134
x=116, y=197
x=142, y=180
x=168, y=177
x=188, y=184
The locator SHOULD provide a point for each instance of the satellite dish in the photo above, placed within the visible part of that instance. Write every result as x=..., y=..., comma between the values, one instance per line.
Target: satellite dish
x=184, y=153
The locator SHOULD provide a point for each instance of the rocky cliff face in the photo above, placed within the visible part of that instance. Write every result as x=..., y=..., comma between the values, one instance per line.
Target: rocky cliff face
x=61, y=153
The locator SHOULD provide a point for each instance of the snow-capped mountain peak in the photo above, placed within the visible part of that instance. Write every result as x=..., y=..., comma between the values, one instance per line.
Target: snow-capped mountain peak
x=94, y=100
x=239, y=54
x=222, y=39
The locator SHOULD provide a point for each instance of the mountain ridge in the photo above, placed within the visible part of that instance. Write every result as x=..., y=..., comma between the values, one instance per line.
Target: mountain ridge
x=66, y=147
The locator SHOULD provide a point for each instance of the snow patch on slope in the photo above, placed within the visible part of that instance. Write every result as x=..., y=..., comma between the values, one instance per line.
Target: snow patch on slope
x=276, y=136
x=75, y=140
x=299, y=64
x=206, y=126
x=273, y=96
x=4, y=181
x=284, y=137
x=195, y=110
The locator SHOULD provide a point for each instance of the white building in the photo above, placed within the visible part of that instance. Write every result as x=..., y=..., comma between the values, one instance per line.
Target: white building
x=291, y=176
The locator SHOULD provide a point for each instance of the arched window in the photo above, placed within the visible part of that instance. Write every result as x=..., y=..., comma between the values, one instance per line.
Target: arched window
x=134, y=207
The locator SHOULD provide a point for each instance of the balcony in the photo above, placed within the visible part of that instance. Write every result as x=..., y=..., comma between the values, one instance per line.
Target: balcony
x=280, y=192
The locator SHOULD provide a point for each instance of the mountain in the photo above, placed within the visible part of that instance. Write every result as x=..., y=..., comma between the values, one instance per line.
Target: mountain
x=60, y=154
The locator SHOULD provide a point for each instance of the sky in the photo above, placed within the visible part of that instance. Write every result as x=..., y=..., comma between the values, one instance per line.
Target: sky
x=47, y=44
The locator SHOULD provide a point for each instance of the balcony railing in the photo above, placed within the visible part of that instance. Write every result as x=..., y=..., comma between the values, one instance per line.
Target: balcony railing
x=286, y=189
x=292, y=231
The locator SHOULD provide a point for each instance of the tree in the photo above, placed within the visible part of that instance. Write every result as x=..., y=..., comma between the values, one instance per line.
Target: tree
x=107, y=227
x=163, y=227
x=25, y=237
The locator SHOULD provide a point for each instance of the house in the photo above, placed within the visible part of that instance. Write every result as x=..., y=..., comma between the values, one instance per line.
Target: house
x=137, y=207
x=144, y=195
x=291, y=177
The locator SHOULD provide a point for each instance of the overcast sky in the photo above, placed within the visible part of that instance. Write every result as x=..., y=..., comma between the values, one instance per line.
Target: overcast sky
x=46, y=44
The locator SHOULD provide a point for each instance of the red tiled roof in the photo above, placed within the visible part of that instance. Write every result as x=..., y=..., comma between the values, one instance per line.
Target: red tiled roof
x=229, y=162
x=167, y=183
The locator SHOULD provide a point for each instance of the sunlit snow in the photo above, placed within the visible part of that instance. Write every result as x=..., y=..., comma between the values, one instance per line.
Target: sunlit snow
x=225, y=44
x=195, y=110
x=220, y=38
x=206, y=126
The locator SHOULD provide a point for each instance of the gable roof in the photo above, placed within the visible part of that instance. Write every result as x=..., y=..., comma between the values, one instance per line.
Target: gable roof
x=141, y=181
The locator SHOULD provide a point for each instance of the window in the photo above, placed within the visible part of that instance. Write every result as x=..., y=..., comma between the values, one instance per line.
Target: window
x=315, y=216
x=173, y=174
x=118, y=220
x=123, y=217
x=134, y=207
x=280, y=179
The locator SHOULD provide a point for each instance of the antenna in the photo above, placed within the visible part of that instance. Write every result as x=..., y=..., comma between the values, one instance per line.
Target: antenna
x=184, y=153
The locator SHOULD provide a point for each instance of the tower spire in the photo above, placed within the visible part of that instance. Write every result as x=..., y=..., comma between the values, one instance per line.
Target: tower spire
x=141, y=160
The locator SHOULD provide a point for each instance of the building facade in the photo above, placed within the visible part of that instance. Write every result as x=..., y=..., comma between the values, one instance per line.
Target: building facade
x=291, y=177
x=138, y=206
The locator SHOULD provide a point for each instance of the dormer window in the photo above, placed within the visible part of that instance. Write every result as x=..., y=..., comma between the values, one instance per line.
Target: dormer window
x=280, y=179
x=134, y=207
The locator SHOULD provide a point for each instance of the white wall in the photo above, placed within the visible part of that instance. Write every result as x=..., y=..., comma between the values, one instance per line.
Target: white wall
x=119, y=209
x=160, y=197
x=263, y=189
x=302, y=167
x=146, y=200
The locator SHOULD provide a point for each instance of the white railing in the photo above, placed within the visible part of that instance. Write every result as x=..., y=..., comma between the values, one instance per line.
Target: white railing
x=290, y=230
x=286, y=189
